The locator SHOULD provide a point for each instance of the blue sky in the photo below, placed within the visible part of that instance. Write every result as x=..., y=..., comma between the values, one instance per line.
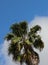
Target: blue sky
x=17, y=10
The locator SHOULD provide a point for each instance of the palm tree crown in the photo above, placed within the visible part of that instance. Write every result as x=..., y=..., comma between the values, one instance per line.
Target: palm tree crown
x=21, y=39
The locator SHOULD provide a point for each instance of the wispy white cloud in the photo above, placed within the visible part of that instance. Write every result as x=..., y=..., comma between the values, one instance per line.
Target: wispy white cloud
x=43, y=22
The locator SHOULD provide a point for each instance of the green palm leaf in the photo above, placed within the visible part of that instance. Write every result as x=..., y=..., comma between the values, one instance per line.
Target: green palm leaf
x=35, y=29
x=16, y=39
x=9, y=36
x=24, y=27
x=28, y=42
x=38, y=44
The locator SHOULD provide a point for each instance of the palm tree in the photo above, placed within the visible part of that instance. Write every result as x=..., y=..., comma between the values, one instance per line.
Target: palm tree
x=23, y=43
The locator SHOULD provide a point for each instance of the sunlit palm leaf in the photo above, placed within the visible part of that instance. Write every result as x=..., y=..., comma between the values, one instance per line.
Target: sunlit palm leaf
x=28, y=42
x=16, y=39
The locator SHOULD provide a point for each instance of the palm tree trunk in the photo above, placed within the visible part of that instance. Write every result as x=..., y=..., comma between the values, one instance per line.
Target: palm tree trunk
x=34, y=59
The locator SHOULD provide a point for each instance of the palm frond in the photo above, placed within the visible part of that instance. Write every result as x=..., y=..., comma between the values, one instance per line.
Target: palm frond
x=16, y=39
x=13, y=49
x=9, y=36
x=19, y=29
x=24, y=27
x=33, y=36
x=38, y=44
x=35, y=29
x=28, y=42
x=16, y=29
x=23, y=58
